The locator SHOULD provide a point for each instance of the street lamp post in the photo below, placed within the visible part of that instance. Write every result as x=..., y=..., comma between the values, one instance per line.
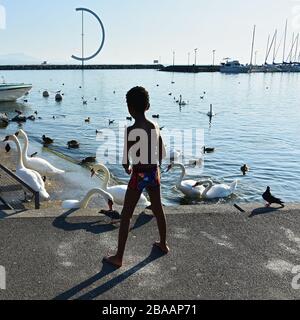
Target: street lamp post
x=214, y=53
x=196, y=56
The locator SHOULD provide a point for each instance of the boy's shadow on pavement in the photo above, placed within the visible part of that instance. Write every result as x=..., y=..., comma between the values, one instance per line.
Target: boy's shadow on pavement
x=98, y=226
x=108, y=285
x=263, y=210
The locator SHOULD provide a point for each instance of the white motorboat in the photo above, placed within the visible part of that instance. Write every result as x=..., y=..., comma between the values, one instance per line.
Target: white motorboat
x=13, y=91
x=233, y=66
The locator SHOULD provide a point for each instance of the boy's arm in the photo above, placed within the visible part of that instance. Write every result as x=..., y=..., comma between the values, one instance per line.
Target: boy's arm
x=126, y=163
x=162, y=150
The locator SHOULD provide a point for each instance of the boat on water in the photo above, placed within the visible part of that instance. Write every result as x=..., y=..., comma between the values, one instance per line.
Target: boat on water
x=233, y=66
x=13, y=91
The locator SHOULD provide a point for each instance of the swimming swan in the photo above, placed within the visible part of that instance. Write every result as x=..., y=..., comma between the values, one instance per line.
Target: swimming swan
x=30, y=177
x=38, y=164
x=76, y=204
x=187, y=187
x=218, y=190
x=118, y=192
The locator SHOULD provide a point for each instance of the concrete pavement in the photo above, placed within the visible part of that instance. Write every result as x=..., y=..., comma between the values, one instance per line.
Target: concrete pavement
x=217, y=252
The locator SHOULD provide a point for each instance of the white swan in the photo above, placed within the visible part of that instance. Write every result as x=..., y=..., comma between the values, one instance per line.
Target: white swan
x=118, y=192
x=187, y=187
x=30, y=177
x=76, y=204
x=38, y=164
x=218, y=190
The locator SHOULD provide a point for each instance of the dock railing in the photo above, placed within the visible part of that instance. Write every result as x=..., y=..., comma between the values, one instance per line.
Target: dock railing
x=11, y=185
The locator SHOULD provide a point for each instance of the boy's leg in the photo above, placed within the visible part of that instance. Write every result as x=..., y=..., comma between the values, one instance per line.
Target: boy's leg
x=131, y=199
x=158, y=211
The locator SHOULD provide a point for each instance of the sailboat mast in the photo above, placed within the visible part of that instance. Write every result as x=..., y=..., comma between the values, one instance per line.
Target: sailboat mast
x=290, y=56
x=252, y=48
x=275, y=45
x=296, y=51
x=267, y=49
x=284, y=44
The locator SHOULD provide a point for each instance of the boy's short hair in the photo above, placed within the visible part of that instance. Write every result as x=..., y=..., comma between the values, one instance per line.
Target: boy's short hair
x=138, y=97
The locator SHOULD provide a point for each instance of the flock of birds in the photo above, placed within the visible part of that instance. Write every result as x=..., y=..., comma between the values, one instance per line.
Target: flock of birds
x=34, y=170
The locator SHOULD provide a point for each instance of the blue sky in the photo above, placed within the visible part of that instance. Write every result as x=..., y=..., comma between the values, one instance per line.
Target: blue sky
x=140, y=31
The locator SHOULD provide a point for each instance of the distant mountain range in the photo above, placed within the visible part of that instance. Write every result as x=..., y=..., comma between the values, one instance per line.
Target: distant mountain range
x=18, y=58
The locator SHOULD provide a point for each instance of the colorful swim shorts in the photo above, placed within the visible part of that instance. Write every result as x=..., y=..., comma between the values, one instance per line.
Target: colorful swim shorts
x=141, y=179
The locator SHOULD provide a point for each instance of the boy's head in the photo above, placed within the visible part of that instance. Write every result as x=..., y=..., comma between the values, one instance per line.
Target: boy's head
x=137, y=101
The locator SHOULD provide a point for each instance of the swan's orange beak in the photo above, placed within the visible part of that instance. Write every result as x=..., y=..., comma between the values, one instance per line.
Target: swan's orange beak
x=110, y=205
x=93, y=172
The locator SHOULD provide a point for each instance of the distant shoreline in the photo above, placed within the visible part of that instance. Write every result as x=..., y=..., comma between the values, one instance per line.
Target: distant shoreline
x=159, y=67
x=79, y=67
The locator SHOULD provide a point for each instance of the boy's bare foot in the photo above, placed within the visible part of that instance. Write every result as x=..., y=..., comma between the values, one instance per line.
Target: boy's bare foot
x=113, y=260
x=163, y=247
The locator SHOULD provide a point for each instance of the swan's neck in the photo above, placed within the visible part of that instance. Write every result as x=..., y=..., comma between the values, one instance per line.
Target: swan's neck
x=210, y=184
x=183, y=172
x=106, y=175
x=20, y=163
x=85, y=201
x=25, y=149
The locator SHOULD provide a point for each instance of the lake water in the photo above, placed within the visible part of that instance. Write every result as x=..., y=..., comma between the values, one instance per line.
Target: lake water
x=257, y=122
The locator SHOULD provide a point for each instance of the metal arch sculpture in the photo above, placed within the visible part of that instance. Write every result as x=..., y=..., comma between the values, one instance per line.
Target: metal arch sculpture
x=82, y=59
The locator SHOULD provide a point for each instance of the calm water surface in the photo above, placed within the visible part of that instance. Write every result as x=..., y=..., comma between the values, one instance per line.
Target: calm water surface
x=257, y=122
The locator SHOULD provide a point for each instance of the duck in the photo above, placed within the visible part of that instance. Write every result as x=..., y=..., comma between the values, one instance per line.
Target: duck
x=47, y=140
x=208, y=150
x=118, y=192
x=32, y=178
x=58, y=97
x=155, y=116
x=84, y=102
x=201, y=97
x=46, y=94
x=245, y=169
x=270, y=199
x=87, y=120
x=3, y=120
x=129, y=118
x=32, y=118
x=19, y=118
x=99, y=132
x=73, y=144
x=76, y=204
x=110, y=122
x=216, y=191
x=88, y=160
x=187, y=187
x=35, y=163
